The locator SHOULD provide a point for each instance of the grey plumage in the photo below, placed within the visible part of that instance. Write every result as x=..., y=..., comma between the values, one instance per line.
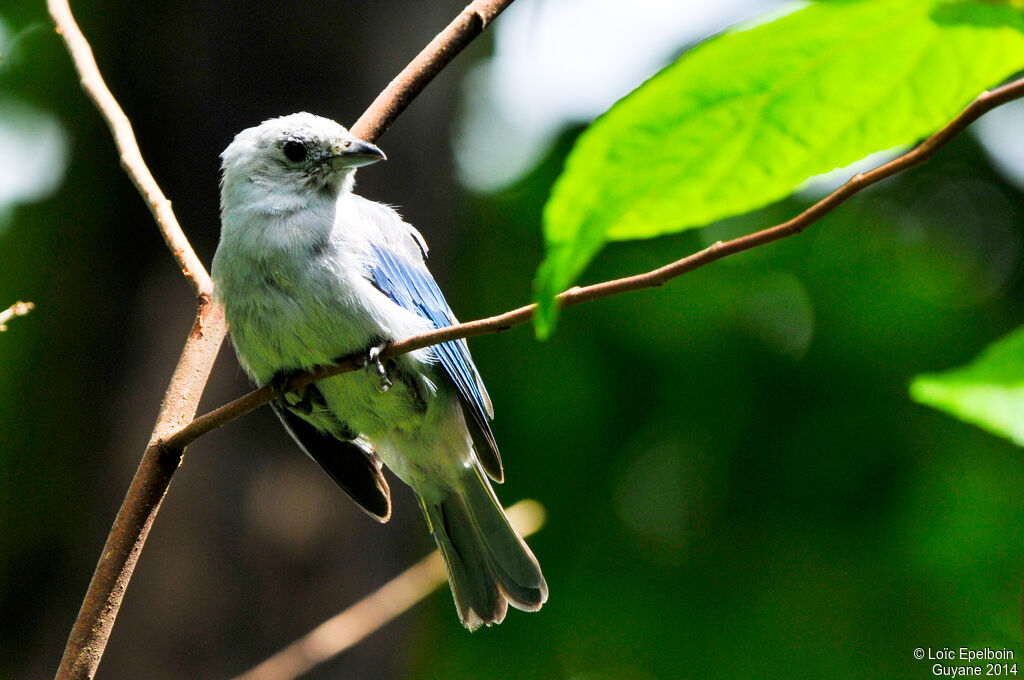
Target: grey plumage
x=307, y=271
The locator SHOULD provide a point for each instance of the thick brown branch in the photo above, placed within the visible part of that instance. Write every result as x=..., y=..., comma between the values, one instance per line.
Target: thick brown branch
x=128, y=147
x=578, y=295
x=428, y=63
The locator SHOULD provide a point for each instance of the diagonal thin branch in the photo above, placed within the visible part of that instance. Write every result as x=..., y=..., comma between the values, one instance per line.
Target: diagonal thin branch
x=657, y=277
x=428, y=63
x=128, y=148
x=345, y=630
x=95, y=620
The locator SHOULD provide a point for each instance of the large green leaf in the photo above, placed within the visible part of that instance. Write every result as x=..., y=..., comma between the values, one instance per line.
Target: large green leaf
x=743, y=119
x=988, y=392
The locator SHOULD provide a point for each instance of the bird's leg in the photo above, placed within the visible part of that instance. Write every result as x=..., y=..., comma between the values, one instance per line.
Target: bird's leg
x=374, y=364
x=297, y=400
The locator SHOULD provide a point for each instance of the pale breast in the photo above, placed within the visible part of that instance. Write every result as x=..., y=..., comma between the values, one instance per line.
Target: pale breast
x=277, y=329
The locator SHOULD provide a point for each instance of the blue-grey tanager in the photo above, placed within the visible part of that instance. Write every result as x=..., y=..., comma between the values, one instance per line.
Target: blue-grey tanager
x=308, y=271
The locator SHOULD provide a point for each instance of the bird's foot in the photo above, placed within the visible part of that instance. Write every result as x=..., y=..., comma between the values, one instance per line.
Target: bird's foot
x=374, y=364
x=297, y=400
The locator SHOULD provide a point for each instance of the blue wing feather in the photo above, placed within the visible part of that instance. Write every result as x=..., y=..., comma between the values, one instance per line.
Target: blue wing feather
x=412, y=287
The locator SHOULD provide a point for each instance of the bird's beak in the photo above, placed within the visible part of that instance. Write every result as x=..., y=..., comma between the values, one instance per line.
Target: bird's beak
x=354, y=153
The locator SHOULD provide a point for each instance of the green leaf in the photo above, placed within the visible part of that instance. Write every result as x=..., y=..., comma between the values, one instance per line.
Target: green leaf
x=742, y=120
x=988, y=392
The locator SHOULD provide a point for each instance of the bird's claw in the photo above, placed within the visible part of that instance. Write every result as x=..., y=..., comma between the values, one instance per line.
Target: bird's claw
x=374, y=363
x=297, y=400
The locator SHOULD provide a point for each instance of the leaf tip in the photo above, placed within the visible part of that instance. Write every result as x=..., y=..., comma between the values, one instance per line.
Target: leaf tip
x=546, y=318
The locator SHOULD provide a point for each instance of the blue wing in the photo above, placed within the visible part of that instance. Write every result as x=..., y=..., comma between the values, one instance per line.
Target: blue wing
x=412, y=287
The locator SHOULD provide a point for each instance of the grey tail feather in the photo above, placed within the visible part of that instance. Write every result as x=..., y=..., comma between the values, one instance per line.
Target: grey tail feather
x=489, y=565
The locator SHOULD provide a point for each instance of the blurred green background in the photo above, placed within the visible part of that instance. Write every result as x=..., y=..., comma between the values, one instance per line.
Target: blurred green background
x=737, y=483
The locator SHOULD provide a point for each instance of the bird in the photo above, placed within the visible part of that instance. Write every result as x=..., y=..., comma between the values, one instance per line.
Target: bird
x=307, y=271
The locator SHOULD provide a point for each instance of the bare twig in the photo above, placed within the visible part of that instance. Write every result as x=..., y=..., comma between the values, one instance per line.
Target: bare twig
x=578, y=295
x=128, y=147
x=398, y=595
x=470, y=23
x=95, y=620
x=19, y=308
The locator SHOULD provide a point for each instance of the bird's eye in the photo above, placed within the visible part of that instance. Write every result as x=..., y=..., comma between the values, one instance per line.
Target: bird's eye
x=295, y=151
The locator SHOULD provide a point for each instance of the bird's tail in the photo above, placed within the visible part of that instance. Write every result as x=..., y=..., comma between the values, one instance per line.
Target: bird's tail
x=489, y=565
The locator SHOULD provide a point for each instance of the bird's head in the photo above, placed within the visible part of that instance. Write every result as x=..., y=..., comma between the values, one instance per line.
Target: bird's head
x=283, y=163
